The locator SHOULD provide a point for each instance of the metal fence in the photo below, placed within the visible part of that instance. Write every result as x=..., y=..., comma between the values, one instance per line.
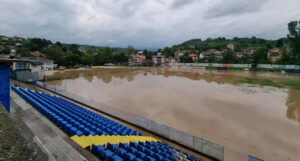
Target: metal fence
x=198, y=144
x=263, y=66
x=27, y=76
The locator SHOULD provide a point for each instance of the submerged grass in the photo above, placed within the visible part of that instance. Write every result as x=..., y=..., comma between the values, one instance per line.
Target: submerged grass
x=256, y=81
x=294, y=84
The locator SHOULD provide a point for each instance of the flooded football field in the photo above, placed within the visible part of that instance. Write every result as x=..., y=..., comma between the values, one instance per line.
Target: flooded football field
x=261, y=119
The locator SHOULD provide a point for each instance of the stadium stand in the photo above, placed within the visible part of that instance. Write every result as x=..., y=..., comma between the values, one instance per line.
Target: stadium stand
x=105, y=138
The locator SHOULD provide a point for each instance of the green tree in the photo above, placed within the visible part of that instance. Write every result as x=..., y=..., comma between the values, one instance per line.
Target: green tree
x=186, y=59
x=286, y=58
x=294, y=40
x=5, y=50
x=74, y=49
x=30, y=46
x=167, y=52
x=212, y=59
x=279, y=43
x=55, y=53
x=71, y=59
x=245, y=59
x=130, y=50
x=260, y=56
x=229, y=57
x=24, y=52
x=87, y=59
x=39, y=44
x=119, y=58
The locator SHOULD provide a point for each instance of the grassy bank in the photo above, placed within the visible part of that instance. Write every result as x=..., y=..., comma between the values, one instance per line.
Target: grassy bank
x=293, y=84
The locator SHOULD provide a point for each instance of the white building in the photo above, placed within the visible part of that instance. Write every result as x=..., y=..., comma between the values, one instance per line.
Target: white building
x=178, y=54
x=33, y=66
x=158, y=59
x=28, y=70
x=47, y=64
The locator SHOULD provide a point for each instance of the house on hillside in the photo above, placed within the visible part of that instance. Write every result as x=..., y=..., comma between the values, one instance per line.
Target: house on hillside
x=82, y=50
x=47, y=64
x=137, y=59
x=212, y=52
x=170, y=60
x=178, y=54
x=193, y=56
x=230, y=46
x=158, y=59
x=13, y=49
x=274, y=54
x=37, y=54
x=250, y=50
x=5, y=38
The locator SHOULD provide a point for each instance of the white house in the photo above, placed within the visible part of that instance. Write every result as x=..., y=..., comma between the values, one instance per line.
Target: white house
x=137, y=59
x=47, y=64
x=158, y=59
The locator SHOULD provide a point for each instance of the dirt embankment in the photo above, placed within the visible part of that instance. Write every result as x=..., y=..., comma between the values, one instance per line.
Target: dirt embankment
x=13, y=146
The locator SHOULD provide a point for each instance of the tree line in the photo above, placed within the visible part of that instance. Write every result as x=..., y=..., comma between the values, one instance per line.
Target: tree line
x=70, y=55
x=289, y=48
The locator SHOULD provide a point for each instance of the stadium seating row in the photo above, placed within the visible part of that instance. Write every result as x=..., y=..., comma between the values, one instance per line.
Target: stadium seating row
x=107, y=139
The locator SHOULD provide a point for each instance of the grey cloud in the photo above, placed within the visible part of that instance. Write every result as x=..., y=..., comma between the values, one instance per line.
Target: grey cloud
x=233, y=7
x=145, y=23
x=180, y=3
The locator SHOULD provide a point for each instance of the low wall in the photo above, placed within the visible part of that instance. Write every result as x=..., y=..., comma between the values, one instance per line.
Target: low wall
x=262, y=66
x=27, y=76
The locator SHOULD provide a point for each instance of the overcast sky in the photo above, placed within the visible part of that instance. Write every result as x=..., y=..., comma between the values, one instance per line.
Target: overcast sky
x=145, y=23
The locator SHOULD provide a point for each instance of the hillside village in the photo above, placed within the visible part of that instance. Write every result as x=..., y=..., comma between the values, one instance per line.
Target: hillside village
x=50, y=55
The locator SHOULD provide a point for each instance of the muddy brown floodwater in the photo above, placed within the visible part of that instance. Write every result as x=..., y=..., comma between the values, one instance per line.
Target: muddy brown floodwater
x=261, y=121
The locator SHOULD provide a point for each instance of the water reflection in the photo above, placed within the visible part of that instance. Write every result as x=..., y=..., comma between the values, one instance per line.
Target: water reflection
x=293, y=104
x=209, y=76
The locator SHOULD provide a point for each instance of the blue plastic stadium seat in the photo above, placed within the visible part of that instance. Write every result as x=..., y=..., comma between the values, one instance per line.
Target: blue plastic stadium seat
x=157, y=157
x=96, y=149
x=123, y=145
x=140, y=154
x=148, y=158
x=132, y=150
x=112, y=147
x=121, y=151
x=129, y=157
x=138, y=159
x=105, y=154
x=114, y=158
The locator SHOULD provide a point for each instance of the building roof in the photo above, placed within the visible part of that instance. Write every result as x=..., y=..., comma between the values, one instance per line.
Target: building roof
x=274, y=50
x=45, y=60
x=32, y=60
x=36, y=54
x=138, y=57
x=192, y=55
x=10, y=61
x=211, y=51
x=158, y=56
